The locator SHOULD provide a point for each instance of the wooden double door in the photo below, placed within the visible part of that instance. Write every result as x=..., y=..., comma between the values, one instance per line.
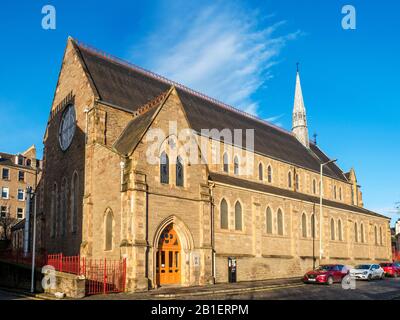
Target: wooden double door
x=168, y=258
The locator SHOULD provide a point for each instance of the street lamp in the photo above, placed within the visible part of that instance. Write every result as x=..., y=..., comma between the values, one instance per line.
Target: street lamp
x=321, y=189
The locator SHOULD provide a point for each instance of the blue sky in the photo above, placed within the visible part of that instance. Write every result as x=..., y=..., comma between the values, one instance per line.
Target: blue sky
x=243, y=53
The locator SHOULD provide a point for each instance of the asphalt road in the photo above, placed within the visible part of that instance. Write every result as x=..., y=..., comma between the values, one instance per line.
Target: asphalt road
x=6, y=295
x=387, y=289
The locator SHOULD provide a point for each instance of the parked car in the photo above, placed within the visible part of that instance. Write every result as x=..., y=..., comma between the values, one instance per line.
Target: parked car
x=367, y=272
x=391, y=269
x=327, y=274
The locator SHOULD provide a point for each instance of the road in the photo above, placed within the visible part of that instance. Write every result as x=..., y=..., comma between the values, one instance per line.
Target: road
x=6, y=295
x=387, y=289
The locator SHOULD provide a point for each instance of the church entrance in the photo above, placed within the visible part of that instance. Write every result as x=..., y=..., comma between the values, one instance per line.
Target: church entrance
x=168, y=257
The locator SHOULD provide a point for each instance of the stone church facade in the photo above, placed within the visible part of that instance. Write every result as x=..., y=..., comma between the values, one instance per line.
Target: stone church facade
x=177, y=220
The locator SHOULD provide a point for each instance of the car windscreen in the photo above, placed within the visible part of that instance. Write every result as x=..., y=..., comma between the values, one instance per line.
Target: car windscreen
x=362, y=266
x=325, y=268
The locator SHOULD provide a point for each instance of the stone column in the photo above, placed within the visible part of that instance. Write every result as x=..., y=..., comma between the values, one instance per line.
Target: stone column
x=205, y=236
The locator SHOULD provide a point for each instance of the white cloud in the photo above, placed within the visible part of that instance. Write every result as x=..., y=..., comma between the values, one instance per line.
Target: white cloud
x=226, y=53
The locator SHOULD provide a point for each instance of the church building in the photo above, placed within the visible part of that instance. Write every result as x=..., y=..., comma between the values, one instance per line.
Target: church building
x=188, y=189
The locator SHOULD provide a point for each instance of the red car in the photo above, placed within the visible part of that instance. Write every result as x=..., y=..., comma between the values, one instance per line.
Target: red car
x=391, y=269
x=327, y=274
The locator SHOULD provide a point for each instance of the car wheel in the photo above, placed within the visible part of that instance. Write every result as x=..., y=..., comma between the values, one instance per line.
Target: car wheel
x=369, y=277
x=383, y=276
x=329, y=282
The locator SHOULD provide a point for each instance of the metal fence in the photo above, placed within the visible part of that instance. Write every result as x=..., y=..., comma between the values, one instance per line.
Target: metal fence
x=102, y=276
x=19, y=257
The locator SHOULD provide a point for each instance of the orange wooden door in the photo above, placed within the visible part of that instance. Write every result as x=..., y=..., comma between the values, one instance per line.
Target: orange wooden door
x=168, y=259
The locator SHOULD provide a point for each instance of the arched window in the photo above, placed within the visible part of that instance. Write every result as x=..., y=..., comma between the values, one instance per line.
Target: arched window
x=269, y=220
x=340, y=230
x=376, y=235
x=224, y=214
x=362, y=233
x=74, y=202
x=179, y=172
x=340, y=193
x=109, y=230
x=260, y=172
x=226, y=163
x=236, y=166
x=164, y=168
x=63, y=206
x=304, y=225
x=380, y=236
x=280, y=222
x=297, y=182
x=355, y=232
x=313, y=225
x=332, y=229
x=269, y=173
x=54, y=213
x=314, y=186
x=289, y=180
x=238, y=216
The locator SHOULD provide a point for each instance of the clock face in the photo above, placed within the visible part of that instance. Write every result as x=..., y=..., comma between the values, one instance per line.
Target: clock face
x=67, y=128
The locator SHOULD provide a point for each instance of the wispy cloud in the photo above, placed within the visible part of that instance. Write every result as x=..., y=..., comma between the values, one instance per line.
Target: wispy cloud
x=223, y=52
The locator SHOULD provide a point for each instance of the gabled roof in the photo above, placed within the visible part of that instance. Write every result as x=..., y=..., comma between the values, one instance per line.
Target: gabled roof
x=129, y=87
x=257, y=186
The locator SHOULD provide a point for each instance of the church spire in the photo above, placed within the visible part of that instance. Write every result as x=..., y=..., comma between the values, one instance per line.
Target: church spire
x=300, y=129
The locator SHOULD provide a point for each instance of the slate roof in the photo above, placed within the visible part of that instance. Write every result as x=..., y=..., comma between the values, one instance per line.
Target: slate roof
x=251, y=185
x=130, y=87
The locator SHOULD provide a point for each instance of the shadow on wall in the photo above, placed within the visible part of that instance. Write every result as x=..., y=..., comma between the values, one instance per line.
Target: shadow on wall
x=15, y=276
x=62, y=234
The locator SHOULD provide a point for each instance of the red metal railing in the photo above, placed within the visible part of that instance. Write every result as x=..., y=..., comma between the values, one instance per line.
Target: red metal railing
x=102, y=276
x=18, y=257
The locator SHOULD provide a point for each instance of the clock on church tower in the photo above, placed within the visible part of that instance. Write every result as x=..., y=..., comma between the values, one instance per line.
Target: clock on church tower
x=67, y=127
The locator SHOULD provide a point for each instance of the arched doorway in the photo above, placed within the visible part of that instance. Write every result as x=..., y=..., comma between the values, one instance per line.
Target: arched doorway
x=168, y=257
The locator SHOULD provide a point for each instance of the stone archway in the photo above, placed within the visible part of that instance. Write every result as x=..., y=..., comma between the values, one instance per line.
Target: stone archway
x=174, y=227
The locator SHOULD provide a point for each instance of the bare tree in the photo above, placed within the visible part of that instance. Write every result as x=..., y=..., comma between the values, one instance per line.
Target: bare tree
x=6, y=222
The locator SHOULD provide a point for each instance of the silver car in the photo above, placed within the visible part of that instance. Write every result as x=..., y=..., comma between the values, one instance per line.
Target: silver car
x=367, y=272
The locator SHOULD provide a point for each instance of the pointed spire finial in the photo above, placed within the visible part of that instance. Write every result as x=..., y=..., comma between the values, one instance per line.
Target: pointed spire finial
x=297, y=66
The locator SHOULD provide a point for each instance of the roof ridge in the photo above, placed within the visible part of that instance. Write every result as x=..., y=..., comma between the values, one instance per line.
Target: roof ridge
x=154, y=75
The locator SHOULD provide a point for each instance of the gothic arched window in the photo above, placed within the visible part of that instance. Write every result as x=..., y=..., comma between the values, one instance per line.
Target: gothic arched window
x=297, y=182
x=238, y=216
x=304, y=225
x=269, y=220
x=269, y=171
x=376, y=235
x=332, y=229
x=54, y=213
x=355, y=232
x=63, y=206
x=313, y=225
x=280, y=222
x=260, y=172
x=108, y=230
x=290, y=179
x=226, y=163
x=340, y=230
x=164, y=168
x=314, y=186
x=74, y=202
x=179, y=172
x=224, y=214
x=362, y=233
x=236, y=166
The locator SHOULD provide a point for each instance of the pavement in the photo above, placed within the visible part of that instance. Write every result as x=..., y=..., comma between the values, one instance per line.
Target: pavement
x=292, y=289
x=289, y=289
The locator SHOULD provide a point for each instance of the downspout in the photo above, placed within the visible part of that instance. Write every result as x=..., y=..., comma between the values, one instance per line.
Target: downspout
x=213, y=257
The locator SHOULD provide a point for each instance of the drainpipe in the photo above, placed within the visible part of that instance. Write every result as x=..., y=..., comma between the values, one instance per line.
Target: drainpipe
x=214, y=270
